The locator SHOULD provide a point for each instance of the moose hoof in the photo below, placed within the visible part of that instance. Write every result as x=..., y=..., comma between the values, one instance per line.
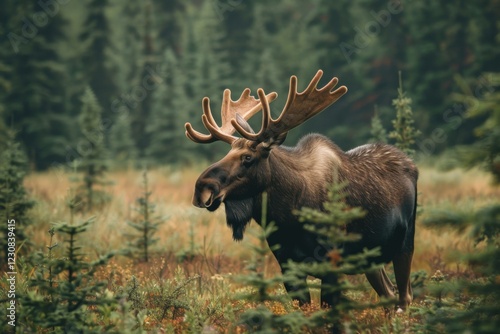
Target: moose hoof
x=399, y=310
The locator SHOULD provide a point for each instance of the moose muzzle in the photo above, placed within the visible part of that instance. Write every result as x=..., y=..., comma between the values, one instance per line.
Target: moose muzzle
x=207, y=196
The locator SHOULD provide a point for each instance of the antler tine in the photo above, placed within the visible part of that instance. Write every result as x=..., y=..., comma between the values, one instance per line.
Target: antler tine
x=246, y=106
x=198, y=137
x=212, y=127
x=300, y=107
x=266, y=116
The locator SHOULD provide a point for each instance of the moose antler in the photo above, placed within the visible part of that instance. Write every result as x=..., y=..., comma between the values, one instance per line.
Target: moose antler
x=298, y=108
x=245, y=107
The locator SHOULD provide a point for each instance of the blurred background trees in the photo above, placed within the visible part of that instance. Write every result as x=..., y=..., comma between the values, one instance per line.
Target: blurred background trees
x=150, y=63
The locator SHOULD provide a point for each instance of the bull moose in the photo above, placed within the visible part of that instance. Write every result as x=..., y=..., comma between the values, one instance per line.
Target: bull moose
x=380, y=179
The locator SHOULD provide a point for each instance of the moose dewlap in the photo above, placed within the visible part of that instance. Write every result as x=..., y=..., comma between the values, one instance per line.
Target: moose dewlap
x=380, y=179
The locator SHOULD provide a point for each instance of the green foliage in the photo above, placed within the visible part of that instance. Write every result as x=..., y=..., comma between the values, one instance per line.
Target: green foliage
x=330, y=225
x=148, y=81
x=481, y=313
x=34, y=82
x=258, y=290
x=121, y=142
x=96, y=63
x=113, y=46
x=378, y=132
x=94, y=161
x=14, y=202
x=146, y=225
x=166, y=123
x=63, y=294
x=485, y=152
x=404, y=132
x=159, y=299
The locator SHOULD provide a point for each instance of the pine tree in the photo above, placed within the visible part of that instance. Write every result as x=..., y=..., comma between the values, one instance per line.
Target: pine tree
x=128, y=41
x=329, y=225
x=94, y=161
x=64, y=295
x=205, y=66
x=122, y=145
x=482, y=314
x=146, y=224
x=149, y=82
x=4, y=137
x=261, y=319
x=378, y=132
x=14, y=202
x=486, y=151
x=404, y=132
x=171, y=22
x=169, y=113
x=35, y=82
x=97, y=66
x=261, y=68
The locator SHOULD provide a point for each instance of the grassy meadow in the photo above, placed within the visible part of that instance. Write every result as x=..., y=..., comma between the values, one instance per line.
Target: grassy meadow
x=188, y=285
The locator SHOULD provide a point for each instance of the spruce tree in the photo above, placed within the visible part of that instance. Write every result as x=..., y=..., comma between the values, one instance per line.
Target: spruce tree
x=122, y=145
x=63, y=294
x=169, y=113
x=261, y=68
x=206, y=66
x=14, y=201
x=404, y=132
x=482, y=312
x=329, y=225
x=128, y=38
x=97, y=66
x=261, y=319
x=146, y=224
x=378, y=132
x=485, y=152
x=149, y=82
x=35, y=79
x=94, y=161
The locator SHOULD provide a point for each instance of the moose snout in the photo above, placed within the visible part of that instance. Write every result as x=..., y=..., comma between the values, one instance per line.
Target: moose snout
x=207, y=194
x=203, y=198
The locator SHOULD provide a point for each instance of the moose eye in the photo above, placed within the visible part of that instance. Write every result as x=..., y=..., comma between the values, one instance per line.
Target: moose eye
x=246, y=158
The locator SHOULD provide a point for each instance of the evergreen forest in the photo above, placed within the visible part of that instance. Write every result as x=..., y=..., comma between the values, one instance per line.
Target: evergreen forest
x=150, y=63
x=98, y=229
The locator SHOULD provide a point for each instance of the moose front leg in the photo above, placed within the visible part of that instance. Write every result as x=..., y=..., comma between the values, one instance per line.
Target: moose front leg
x=328, y=296
x=297, y=288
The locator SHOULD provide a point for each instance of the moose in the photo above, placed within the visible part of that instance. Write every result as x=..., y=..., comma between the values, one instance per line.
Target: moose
x=380, y=179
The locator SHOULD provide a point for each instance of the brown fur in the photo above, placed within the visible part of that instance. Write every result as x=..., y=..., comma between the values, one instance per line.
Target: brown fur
x=380, y=179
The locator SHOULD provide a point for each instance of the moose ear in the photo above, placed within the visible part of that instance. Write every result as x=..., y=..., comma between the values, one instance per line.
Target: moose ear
x=271, y=143
x=244, y=124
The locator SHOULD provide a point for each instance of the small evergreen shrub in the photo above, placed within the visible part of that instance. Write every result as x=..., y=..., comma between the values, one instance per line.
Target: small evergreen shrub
x=63, y=295
x=14, y=201
x=404, y=132
x=146, y=225
x=94, y=161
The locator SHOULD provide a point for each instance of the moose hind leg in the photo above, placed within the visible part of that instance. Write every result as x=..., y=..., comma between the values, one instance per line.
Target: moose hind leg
x=402, y=268
x=381, y=283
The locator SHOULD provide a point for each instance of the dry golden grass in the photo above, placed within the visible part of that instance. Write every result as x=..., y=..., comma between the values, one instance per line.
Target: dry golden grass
x=199, y=243
x=172, y=191
x=457, y=190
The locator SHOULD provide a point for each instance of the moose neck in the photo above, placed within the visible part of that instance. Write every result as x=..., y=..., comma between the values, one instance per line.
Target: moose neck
x=300, y=177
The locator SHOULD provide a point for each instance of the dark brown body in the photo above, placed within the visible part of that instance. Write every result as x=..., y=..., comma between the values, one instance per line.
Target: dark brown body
x=381, y=179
